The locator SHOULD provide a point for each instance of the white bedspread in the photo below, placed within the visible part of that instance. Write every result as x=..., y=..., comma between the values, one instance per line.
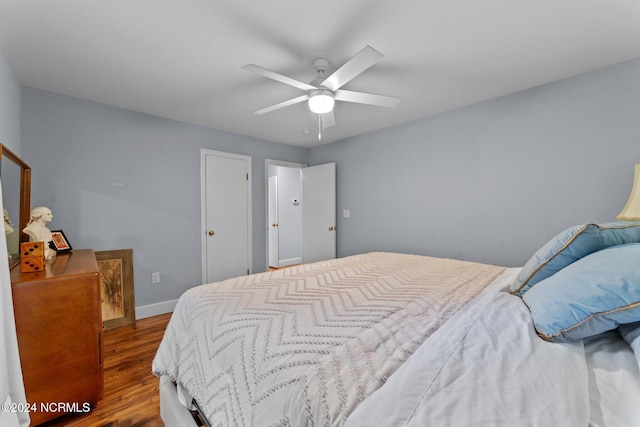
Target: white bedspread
x=304, y=346
x=614, y=381
x=485, y=367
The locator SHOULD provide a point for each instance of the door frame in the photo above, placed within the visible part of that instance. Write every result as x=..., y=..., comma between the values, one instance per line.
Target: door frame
x=203, y=207
x=267, y=163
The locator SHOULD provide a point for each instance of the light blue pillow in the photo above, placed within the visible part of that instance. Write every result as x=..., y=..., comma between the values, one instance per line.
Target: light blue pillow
x=595, y=294
x=571, y=245
x=631, y=334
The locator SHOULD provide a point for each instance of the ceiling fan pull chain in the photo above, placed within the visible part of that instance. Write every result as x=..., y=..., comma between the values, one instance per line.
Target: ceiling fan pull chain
x=319, y=127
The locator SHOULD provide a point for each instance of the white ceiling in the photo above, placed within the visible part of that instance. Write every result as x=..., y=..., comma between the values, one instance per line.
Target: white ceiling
x=182, y=59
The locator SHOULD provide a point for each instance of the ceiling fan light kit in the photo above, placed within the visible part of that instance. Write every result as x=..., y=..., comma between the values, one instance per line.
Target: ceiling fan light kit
x=323, y=92
x=321, y=101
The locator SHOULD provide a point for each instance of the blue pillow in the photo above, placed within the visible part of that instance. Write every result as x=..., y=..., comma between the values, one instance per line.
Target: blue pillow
x=595, y=294
x=571, y=245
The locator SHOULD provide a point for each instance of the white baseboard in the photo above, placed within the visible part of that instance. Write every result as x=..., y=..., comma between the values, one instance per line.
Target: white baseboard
x=151, y=310
x=290, y=261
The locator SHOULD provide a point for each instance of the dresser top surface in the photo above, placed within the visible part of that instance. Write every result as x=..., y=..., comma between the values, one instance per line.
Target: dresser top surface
x=76, y=262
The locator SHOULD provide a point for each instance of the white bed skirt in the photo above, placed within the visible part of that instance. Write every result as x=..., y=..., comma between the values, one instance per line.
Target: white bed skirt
x=172, y=412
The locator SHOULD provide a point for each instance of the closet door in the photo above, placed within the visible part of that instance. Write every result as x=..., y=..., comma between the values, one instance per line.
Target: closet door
x=226, y=215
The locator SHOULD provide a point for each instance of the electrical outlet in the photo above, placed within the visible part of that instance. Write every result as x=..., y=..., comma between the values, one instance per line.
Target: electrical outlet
x=155, y=277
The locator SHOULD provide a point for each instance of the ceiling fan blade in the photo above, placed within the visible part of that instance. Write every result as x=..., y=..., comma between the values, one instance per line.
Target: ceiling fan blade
x=366, y=98
x=282, y=104
x=328, y=119
x=278, y=77
x=356, y=65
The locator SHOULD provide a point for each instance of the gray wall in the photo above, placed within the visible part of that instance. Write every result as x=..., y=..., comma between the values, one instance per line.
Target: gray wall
x=9, y=106
x=493, y=181
x=490, y=182
x=10, y=137
x=118, y=179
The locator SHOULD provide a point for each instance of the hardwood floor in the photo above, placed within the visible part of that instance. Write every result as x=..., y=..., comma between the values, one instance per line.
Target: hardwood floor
x=131, y=396
x=289, y=266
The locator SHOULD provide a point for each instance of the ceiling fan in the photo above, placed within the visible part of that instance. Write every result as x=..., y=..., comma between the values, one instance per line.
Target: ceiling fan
x=322, y=92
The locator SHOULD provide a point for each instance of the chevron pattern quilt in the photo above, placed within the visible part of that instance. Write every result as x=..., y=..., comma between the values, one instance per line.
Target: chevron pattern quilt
x=304, y=346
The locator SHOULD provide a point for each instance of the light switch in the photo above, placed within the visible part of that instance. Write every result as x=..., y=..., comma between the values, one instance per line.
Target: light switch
x=346, y=213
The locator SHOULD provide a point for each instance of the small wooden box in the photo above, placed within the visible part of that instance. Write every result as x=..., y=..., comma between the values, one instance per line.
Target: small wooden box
x=32, y=257
x=32, y=249
x=31, y=264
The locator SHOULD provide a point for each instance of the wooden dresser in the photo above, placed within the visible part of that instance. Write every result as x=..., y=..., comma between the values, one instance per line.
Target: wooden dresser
x=59, y=324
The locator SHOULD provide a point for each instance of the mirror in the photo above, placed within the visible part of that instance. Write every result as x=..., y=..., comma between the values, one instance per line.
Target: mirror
x=15, y=176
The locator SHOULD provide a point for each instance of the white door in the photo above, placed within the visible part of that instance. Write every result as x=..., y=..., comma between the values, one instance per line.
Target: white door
x=226, y=215
x=274, y=256
x=319, y=213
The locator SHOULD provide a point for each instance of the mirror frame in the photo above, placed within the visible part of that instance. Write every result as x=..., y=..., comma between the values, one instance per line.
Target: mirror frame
x=25, y=196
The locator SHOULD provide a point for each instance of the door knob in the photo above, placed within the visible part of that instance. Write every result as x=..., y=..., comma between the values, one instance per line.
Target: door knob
x=211, y=232
x=331, y=228
x=274, y=225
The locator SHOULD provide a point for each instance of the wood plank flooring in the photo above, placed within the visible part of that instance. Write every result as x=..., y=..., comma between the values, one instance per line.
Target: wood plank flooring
x=131, y=395
x=288, y=266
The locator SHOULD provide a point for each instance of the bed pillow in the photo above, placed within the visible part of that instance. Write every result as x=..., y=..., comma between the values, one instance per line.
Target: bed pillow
x=571, y=245
x=631, y=334
x=595, y=294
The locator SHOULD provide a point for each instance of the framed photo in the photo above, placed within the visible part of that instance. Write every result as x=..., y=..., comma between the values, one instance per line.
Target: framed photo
x=59, y=241
x=116, y=287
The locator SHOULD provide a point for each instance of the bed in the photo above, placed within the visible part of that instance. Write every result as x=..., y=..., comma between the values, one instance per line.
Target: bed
x=394, y=339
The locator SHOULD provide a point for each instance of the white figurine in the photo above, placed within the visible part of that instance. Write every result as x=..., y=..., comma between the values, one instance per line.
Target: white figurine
x=38, y=231
x=8, y=227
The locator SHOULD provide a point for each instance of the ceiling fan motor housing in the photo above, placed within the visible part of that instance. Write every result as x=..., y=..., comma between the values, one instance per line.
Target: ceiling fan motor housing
x=321, y=100
x=320, y=65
